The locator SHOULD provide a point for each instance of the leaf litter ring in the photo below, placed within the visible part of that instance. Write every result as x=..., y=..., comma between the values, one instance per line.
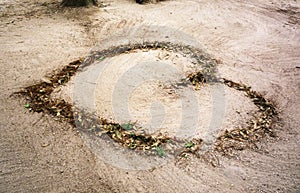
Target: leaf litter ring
x=131, y=135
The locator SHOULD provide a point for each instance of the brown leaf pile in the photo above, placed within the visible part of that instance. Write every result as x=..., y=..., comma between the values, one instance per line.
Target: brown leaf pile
x=39, y=99
x=258, y=127
x=38, y=95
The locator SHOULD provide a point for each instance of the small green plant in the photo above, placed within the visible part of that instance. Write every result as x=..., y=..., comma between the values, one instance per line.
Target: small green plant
x=160, y=152
x=127, y=126
x=27, y=105
x=189, y=144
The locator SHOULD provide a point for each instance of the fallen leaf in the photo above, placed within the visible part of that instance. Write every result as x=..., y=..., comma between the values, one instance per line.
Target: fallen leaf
x=101, y=58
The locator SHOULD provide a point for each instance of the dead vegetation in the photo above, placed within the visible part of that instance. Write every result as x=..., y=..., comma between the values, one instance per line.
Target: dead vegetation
x=128, y=135
x=258, y=127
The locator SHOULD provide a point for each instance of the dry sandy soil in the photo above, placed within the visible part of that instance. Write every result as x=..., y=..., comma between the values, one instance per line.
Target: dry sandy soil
x=257, y=42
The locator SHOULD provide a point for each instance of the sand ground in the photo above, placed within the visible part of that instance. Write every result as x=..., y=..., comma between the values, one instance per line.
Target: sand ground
x=258, y=43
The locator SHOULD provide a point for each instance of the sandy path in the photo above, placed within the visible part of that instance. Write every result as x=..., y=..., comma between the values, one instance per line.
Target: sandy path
x=256, y=41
